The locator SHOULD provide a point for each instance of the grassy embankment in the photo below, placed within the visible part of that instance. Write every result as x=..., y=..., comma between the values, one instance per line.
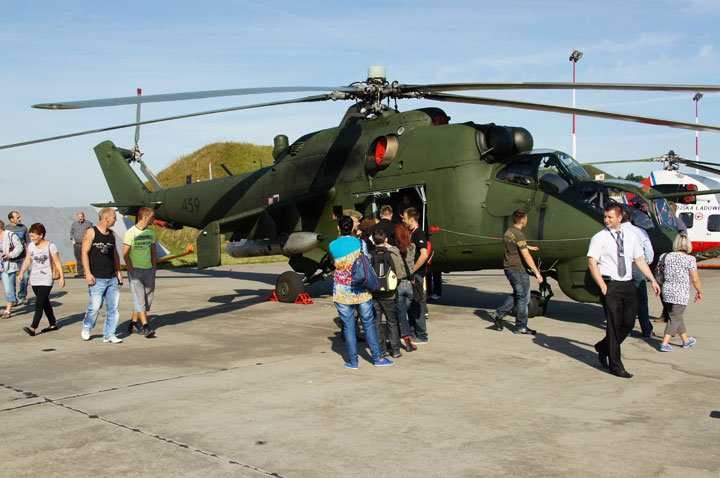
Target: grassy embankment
x=239, y=158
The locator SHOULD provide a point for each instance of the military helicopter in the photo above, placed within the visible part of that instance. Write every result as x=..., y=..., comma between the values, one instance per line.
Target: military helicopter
x=466, y=179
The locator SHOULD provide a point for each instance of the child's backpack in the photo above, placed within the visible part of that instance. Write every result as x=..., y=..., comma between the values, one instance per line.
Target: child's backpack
x=383, y=266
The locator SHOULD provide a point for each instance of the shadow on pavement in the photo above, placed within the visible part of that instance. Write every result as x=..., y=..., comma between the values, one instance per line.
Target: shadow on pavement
x=222, y=304
x=571, y=348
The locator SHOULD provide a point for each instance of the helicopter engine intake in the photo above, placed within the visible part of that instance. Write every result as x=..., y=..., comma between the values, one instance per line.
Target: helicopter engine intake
x=295, y=243
x=496, y=142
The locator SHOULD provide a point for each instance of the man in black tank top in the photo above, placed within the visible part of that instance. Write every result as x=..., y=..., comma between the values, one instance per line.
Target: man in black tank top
x=102, y=271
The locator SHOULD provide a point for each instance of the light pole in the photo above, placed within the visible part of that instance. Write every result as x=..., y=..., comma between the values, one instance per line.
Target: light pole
x=574, y=58
x=696, y=99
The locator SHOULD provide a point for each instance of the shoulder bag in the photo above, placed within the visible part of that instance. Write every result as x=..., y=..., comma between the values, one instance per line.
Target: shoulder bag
x=55, y=270
x=362, y=272
x=660, y=270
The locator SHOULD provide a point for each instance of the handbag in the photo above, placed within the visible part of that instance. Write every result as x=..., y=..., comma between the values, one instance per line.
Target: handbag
x=55, y=270
x=418, y=288
x=362, y=272
x=417, y=285
x=660, y=270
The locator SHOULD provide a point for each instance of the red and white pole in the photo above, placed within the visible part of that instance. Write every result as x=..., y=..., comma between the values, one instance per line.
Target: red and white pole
x=697, y=134
x=574, y=137
x=574, y=57
x=696, y=99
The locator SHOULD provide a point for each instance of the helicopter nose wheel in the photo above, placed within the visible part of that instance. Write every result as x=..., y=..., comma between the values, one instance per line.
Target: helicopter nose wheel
x=288, y=286
x=539, y=299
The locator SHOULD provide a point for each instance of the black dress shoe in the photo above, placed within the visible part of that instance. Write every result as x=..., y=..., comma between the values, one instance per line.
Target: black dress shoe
x=603, y=359
x=524, y=330
x=621, y=373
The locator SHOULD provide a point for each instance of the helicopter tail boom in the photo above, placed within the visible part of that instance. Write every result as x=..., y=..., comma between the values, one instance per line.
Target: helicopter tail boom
x=126, y=188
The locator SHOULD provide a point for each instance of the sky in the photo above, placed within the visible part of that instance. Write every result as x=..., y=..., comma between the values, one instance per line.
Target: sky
x=75, y=50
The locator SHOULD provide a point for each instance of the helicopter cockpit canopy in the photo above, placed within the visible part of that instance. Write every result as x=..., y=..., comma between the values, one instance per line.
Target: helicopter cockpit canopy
x=598, y=194
x=554, y=171
x=557, y=171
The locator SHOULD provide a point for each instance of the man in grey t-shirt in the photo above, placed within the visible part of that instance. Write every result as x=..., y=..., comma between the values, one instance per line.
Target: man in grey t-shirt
x=22, y=232
x=77, y=231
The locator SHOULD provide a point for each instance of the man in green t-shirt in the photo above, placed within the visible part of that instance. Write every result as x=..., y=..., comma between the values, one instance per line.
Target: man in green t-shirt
x=141, y=261
x=517, y=250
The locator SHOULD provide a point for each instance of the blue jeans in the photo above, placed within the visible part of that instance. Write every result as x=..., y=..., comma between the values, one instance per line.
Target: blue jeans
x=8, y=280
x=520, y=298
x=404, y=298
x=642, y=296
x=416, y=314
x=365, y=312
x=108, y=291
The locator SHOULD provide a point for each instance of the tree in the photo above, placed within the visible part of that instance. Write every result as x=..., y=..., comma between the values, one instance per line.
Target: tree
x=634, y=177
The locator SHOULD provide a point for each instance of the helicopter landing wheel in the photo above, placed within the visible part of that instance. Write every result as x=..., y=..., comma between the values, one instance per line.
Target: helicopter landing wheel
x=534, y=307
x=288, y=286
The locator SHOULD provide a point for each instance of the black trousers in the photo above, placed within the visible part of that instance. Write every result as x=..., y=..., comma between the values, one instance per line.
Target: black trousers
x=77, y=249
x=42, y=303
x=434, y=283
x=390, y=331
x=620, y=306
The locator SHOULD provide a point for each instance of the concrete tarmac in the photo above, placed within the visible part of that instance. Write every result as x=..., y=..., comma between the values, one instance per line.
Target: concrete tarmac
x=234, y=385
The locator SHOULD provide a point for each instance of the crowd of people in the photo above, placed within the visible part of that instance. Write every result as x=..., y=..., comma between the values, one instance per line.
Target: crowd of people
x=27, y=257
x=618, y=261
x=401, y=248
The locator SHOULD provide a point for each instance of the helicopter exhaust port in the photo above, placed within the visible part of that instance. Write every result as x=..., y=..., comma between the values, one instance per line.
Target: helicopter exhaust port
x=295, y=243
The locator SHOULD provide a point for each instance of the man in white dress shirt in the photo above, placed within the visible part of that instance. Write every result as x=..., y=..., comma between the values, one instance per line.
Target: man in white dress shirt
x=638, y=278
x=610, y=257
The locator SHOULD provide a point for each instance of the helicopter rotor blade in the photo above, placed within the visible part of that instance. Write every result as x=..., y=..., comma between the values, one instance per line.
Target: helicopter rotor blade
x=702, y=166
x=556, y=86
x=569, y=110
x=620, y=161
x=307, y=99
x=137, y=120
x=193, y=95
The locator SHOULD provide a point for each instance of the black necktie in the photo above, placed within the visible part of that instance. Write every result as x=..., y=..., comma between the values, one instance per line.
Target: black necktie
x=620, y=255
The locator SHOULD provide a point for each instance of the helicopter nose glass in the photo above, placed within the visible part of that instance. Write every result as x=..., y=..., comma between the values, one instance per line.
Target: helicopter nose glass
x=665, y=214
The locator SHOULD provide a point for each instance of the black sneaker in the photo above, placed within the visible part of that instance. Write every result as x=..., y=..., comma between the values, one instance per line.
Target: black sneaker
x=138, y=327
x=524, y=330
x=147, y=331
x=498, y=322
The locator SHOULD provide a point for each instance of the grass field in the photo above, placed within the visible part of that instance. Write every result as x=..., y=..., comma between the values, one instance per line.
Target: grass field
x=191, y=259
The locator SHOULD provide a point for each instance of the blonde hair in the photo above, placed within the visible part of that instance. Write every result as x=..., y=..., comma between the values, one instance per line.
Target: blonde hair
x=682, y=243
x=104, y=212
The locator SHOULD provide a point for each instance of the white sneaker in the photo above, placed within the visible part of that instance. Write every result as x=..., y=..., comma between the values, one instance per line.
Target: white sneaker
x=113, y=339
x=85, y=334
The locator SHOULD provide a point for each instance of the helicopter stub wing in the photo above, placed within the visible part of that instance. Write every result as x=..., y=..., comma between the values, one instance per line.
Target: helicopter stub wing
x=265, y=222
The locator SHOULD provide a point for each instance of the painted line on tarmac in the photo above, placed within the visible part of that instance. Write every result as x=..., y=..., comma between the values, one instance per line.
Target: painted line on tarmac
x=160, y=380
x=170, y=441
